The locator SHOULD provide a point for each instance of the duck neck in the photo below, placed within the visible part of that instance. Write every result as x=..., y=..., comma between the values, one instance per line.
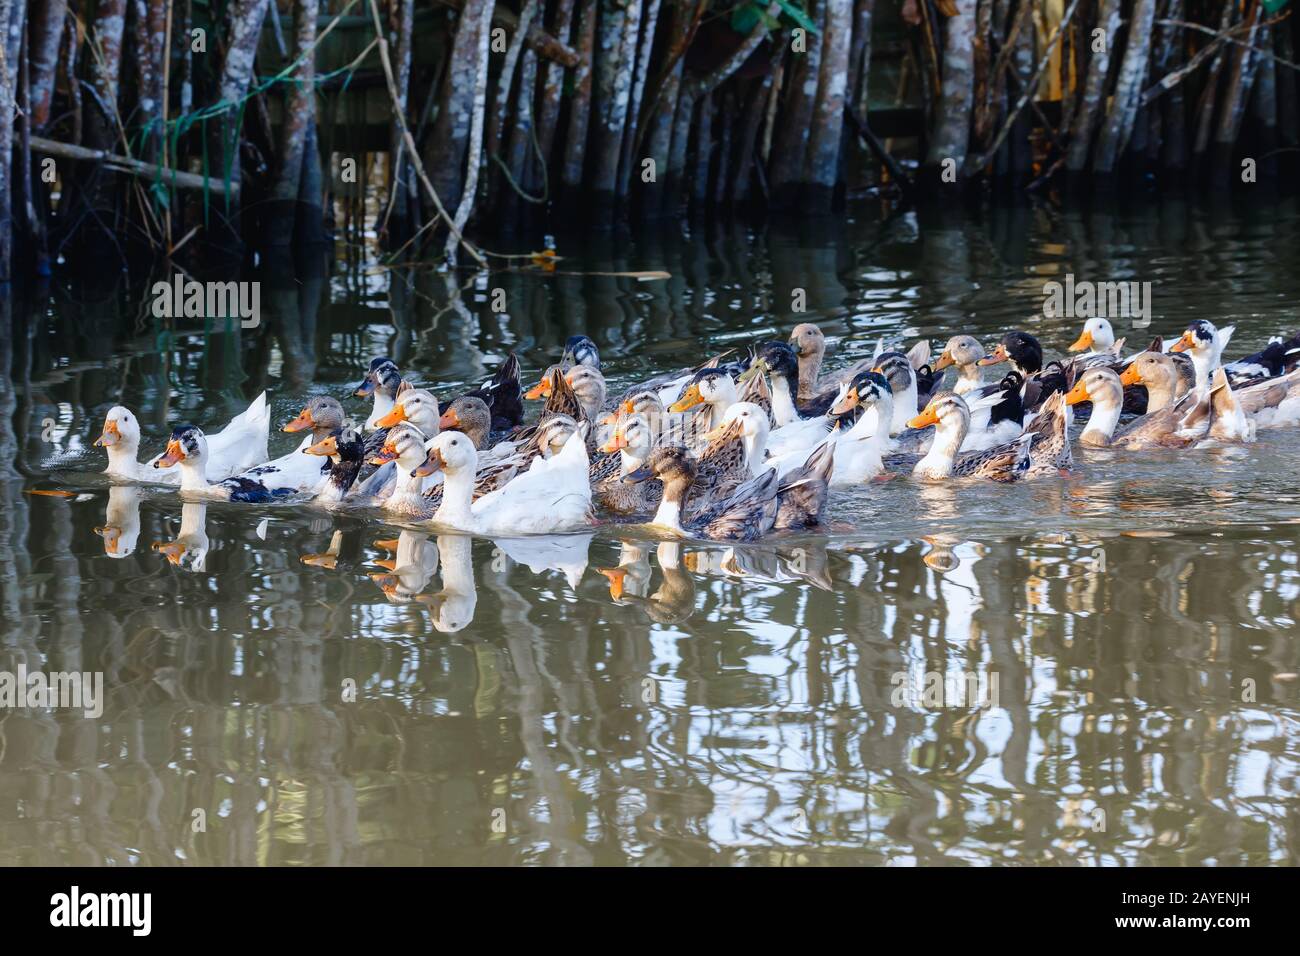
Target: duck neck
x=904, y=408
x=342, y=475
x=949, y=435
x=755, y=448
x=968, y=378
x=783, y=409
x=718, y=411
x=383, y=404
x=122, y=460
x=669, y=514
x=408, y=488
x=1101, y=424
x=1205, y=361
x=457, y=495
x=810, y=369
x=1161, y=394
x=194, y=475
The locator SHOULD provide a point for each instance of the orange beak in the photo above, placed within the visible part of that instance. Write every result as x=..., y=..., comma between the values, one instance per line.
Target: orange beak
x=386, y=454
x=304, y=420
x=999, y=355
x=1183, y=344
x=326, y=446
x=925, y=419
x=449, y=419
x=386, y=544
x=1131, y=375
x=111, y=536
x=624, y=409
x=617, y=442
x=1084, y=341
x=174, y=454
x=616, y=576
x=434, y=462
x=386, y=582
x=326, y=560
x=541, y=390
x=689, y=400
x=111, y=435
x=398, y=414
x=847, y=404
x=172, y=550
x=943, y=362
x=1078, y=394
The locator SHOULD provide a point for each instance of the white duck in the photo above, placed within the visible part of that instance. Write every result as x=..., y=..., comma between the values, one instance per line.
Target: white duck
x=1205, y=344
x=241, y=444
x=190, y=548
x=406, y=446
x=758, y=439
x=712, y=387
x=121, y=527
x=553, y=495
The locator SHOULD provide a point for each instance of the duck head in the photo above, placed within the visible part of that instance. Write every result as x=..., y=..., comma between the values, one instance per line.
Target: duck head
x=1097, y=335
x=322, y=415
x=404, y=444
x=187, y=446
x=1200, y=337
x=647, y=404
x=946, y=411
x=588, y=385
x=121, y=432
x=580, y=350
x=1101, y=386
x=416, y=406
x=553, y=433
x=867, y=390
x=963, y=351
x=469, y=415
x=807, y=341
x=1021, y=349
x=634, y=438
x=450, y=452
x=778, y=360
x=382, y=378
x=712, y=387
x=671, y=464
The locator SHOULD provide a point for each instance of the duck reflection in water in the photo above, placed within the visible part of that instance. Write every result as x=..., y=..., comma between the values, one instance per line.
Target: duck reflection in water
x=189, y=550
x=408, y=572
x=566, y=553
x=805, y=562
x=121, y=525
x=941, y=556
x=632, y=576
x=673, y=603
x=452, y=608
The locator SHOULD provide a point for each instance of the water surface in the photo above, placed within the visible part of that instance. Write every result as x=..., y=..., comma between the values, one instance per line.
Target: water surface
x=496, y=705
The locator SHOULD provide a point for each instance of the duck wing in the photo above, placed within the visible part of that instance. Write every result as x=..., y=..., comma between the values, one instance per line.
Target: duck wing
x=802, y=492
x=745, y=515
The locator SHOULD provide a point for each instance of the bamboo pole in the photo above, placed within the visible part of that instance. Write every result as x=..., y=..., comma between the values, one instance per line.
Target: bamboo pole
x=132, y=167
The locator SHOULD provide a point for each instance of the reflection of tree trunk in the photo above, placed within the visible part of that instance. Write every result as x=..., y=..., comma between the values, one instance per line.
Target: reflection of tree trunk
x=1264, y=106
x=949, y=139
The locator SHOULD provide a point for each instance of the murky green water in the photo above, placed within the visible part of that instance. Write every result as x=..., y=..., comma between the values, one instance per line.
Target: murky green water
x=1134, y=626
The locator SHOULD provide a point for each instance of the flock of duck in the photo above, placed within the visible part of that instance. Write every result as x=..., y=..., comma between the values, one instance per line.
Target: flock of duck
x=736, y=449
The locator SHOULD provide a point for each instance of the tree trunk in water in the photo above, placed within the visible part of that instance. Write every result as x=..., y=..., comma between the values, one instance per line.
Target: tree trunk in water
x=12, y=16
x=1093, y=103
x=615, y=66
x=642, y=70
x=478, y=109
x=575, y=145
x=950, y=138
x=1235, y=98
x=399, y=223
x=659, y=143
x=520, y=153
x=1128, y=90
x=46, y=31
x=444, y=156
x=747, y=144
x=1209, y=95
x=828, y=112
x=1264, y=106
x=790, y=147
x=299, y=112
x=553, y=84
x=501, y=103
x=1173, y=122
x=1288, y=119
